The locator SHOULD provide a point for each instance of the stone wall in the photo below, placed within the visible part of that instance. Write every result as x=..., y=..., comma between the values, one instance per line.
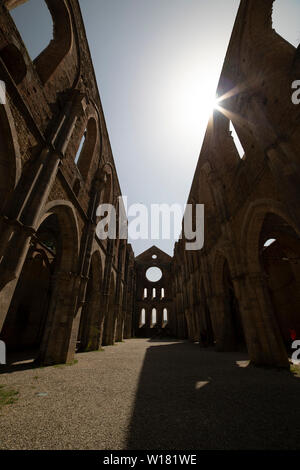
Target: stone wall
x=238, y=292
x=49, y=195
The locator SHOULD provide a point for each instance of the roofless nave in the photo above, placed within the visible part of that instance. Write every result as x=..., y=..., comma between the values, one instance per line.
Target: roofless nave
x=62, y=289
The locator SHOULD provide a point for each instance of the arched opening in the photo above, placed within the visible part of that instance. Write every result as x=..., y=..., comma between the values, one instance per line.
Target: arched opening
x=236, y=140
x=153, y=317
x=85, y=152
x=280, y=260
x=143, y=318
x=44, y=325
x=145, y=293
x=165, y=316
x=162, y=293
x=24, y=326
x=233, y=332
x=110, y=318
x=285, y=19
x=38, y=33
x=53, y=29
x=153, y=293
x=91, y=322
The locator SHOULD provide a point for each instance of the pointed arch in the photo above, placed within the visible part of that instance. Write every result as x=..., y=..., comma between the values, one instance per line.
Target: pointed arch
x=67, y=219
x=251, y=229
x=47, y=62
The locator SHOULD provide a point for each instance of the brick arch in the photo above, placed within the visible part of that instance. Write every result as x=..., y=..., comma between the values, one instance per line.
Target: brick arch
x=50, y=58
x=52, y=271
x=67, y=219
x=10, y=159
x=251, y=229
x=58, y=344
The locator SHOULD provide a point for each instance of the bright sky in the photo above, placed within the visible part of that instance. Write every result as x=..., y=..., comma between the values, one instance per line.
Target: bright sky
x=157, y=64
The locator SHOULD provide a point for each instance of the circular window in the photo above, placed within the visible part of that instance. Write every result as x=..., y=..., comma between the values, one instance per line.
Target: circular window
x=154, y=274
x=154, y=257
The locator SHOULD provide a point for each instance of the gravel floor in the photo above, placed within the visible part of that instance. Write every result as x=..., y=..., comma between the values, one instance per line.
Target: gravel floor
x=152, y=395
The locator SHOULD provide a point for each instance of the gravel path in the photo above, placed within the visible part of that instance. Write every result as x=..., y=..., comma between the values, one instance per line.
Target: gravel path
x=152, y=395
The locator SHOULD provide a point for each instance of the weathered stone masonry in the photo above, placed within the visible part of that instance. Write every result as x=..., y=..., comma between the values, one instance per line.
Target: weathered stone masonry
x=237, y=290
x=62, y=289
x=60, y=286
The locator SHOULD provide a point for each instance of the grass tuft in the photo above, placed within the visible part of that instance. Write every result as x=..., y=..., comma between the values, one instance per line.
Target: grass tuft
x=7, y=396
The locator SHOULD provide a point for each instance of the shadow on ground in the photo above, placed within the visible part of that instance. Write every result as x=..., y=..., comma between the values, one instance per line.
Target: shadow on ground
x=18, y=361
x=192, y=398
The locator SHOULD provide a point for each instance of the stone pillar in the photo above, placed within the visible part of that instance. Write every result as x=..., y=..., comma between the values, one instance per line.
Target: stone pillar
x=62, y=325
x=159, y=319
x=148, y=317
x=264, y=341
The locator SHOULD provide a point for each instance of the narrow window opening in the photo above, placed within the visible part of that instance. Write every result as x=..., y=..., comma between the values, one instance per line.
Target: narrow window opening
x=86, y=149
x=153, y=317
x=165, y=315
x=237, y=142
x=81, y=145
x=154, y=293
x=162, y=293
x=145, y=293
x=143, y=317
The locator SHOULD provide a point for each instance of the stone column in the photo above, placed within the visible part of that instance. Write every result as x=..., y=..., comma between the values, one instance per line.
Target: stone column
x=264, y=341
x=61, y=329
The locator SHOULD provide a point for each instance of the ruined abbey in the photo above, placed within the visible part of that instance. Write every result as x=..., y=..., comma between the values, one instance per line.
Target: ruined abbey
x=64, y=290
